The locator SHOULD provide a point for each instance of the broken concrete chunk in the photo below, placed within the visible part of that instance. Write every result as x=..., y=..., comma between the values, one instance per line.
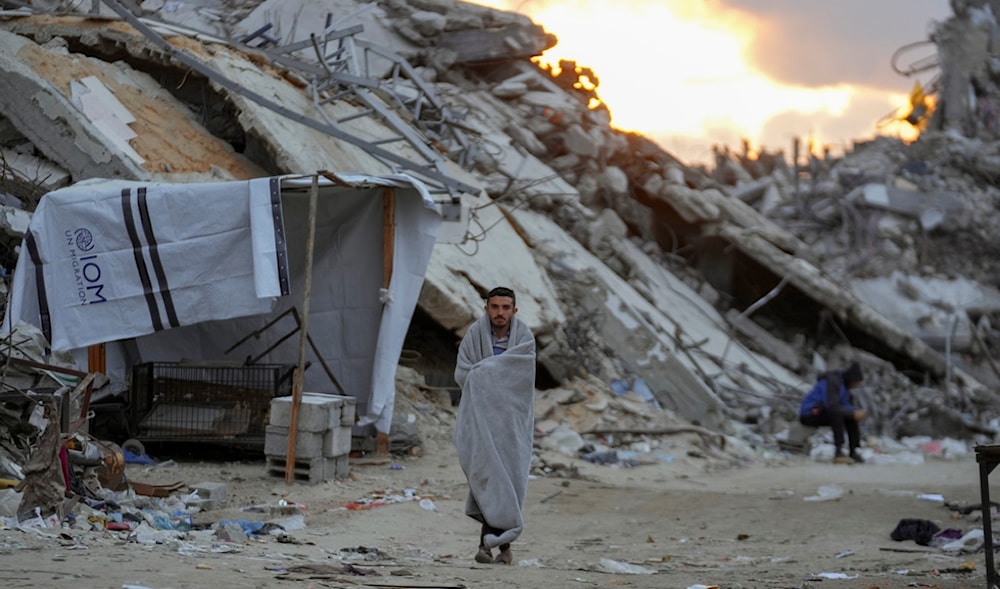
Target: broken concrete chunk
x=509, y=89
x=559, y=106
x=932, y=218
x=514, y=41
x=932, y=210
x=614, y=180
x=688, y=203
x=14, y=221
x=526, y=139
x=608, y=228
x=428, y=23
x=29, y=177
x=577, y=141
x=231, y=532
x=653, y=183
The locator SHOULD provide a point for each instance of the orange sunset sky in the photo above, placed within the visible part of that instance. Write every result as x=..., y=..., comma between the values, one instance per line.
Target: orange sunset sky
x=691, y=74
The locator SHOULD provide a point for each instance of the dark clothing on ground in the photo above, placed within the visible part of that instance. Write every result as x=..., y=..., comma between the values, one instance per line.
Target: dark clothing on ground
x=920, y=531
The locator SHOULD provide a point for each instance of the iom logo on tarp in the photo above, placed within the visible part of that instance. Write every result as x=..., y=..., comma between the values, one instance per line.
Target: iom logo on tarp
x=86, y=271
x=84, y=239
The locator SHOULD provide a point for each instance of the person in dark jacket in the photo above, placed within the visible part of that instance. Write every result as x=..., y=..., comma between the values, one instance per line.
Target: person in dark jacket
x=830, y=403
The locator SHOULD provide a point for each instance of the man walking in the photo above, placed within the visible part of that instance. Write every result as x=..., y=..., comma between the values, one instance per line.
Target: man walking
x=495, y=426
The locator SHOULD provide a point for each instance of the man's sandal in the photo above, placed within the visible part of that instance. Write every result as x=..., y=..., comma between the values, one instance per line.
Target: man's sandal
x=484, y=556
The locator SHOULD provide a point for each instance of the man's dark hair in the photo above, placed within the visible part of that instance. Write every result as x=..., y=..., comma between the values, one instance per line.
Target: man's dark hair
x=502, y=291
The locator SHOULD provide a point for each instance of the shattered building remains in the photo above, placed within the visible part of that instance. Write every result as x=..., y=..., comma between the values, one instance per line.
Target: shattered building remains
x=714, y=296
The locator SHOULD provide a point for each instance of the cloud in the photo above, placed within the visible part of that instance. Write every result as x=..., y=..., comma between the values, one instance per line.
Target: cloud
x=859, y=121
x=691, y=74
x=837, y=131
x=816, y=43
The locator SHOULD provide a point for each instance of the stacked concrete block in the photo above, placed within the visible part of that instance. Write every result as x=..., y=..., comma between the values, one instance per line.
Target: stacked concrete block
x=322, y=437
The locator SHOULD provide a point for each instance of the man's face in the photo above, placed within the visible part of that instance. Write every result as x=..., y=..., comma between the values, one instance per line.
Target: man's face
x=500, y=310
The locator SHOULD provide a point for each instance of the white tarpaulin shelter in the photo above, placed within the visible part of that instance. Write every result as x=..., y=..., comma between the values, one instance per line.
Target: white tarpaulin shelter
x=183, y=272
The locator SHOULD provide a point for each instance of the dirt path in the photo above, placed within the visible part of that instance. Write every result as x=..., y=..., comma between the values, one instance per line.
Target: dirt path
x=748, y=527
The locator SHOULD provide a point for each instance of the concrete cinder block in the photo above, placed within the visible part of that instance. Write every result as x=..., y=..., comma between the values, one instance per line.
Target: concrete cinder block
x=337, y=467
x=333, y=442
x=798, y=439
x=317, y=411
x=348, y=413
x=340, y=441
x=800, y=434
x=348, y=410
x=307, y=444
x=212, y=495
x=311, y=471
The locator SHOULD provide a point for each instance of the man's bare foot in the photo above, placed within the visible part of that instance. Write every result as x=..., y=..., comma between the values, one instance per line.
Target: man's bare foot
x=505, y=557
x=484, y=556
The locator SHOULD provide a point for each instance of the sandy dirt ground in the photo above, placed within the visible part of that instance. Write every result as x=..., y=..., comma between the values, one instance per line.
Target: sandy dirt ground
x=660, y=525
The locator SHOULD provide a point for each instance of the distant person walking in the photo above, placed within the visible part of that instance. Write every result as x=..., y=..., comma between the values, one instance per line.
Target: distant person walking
x=830, y=403
x=495, y=425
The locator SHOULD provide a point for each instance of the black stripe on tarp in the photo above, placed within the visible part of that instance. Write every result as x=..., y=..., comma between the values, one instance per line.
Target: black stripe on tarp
x=280, y=245
x=154, y=256
x=140, y=261
x=43, y=300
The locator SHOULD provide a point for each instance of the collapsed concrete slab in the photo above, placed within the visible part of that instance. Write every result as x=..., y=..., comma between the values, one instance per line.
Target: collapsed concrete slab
x=931, y=210
x=497, y=254
x=940, y=312
x=811, y=281
x=61, y=131
x=48, y=118
x=657, y=335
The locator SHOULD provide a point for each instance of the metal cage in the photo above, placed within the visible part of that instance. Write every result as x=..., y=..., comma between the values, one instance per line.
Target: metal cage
x=204, y=402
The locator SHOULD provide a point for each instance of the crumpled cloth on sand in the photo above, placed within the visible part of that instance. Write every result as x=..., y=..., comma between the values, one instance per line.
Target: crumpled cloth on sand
x=495, y=426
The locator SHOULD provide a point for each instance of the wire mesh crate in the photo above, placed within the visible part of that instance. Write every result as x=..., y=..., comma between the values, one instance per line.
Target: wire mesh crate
x=197, y=402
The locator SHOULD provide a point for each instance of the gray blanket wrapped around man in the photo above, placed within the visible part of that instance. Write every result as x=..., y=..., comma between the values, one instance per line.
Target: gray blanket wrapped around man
x=495, y=426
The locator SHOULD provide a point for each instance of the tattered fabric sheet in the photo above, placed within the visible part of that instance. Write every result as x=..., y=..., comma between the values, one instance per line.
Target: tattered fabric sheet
x=109, y=260
x=495, y=426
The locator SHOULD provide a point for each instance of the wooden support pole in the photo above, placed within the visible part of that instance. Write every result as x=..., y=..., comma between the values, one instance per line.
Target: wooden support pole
x=97, y=358
x=293, y=423
x=388, y=234
x=388, y=252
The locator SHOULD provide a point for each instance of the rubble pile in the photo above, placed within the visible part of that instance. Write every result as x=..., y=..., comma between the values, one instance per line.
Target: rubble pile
x=667, y=299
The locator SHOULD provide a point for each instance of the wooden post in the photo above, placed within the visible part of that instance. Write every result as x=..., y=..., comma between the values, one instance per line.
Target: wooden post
x=293, y=423
x=388, y=234
x=97, y=359
x=388, y=251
